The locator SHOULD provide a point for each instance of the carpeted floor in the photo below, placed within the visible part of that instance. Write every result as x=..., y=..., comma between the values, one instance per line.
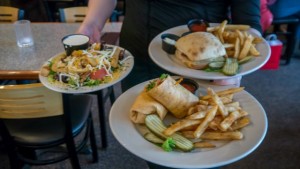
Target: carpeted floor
x=279, y=93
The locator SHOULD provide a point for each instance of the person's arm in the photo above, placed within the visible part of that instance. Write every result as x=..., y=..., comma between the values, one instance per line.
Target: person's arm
x=246, y=12
x=98, y=12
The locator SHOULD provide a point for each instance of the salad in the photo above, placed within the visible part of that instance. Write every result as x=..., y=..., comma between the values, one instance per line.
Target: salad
x=98, y=64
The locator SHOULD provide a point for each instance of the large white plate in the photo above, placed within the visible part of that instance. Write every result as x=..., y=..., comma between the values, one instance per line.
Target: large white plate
x=129, y=136
x=128, y=65
x=169, y=63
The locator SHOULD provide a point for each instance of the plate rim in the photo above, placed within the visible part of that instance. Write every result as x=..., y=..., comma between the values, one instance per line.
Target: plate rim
x=193, y=72
x=66, y=90
x=215, y=164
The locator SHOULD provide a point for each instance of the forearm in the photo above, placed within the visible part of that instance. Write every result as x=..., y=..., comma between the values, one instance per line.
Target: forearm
x=98, y=12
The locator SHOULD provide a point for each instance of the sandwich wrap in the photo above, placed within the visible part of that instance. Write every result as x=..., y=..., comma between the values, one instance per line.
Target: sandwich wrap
x=173, y=96
x=144, y=105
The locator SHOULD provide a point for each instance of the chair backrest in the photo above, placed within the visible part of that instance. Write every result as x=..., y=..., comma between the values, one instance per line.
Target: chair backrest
x=73, y=14
x=10, y=14
x=29, y=101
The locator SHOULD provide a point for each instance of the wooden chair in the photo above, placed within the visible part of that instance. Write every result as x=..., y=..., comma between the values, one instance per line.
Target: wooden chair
x=10, y=14
x=73, y=14
x=77, y=14
x=34, y=120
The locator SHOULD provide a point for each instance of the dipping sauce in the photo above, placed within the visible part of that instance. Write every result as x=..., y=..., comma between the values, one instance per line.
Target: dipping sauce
x=197, y=25
x=190, y=85
x=74, y=40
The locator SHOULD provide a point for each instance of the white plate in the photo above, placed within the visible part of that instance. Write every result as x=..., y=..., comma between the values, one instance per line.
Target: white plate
x=128, y=135
x=169, y=63
x=128, y=65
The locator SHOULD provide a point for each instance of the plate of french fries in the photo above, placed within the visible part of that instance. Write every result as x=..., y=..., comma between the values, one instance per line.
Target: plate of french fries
x=242, y=43
x=225, y=125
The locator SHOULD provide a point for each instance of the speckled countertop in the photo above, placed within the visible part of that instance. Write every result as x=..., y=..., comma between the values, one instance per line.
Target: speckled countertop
x=47, y=43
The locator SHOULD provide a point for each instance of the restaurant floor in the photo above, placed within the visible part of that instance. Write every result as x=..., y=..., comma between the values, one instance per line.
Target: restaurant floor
x=277, y=90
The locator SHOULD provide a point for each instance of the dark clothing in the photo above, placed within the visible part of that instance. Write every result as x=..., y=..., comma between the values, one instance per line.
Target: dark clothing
x=144, y=19
x=287, y=8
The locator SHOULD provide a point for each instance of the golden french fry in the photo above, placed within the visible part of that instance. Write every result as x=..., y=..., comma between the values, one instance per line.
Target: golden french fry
x=188, y=134
x=234, y=106
x=231, y=135
x=203, y=102
x=238, y=27
x=227, y=122
x=253, y=51
x=240, y=123
x=197, y=115
x=189, y=128
x=221, y=30
x=240, y=36
x=224, y=92
x=196, y=108
x=216, y=99
x=237, y=48
x=246, y=47
x=257, y=40
x=204, y=124
x=204, y=144
x=229, y=27
x=228, y=45
x=215, y=123
x=179, y=125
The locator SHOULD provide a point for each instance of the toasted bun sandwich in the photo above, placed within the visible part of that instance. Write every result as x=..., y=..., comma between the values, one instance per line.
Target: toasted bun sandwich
x=197, y=49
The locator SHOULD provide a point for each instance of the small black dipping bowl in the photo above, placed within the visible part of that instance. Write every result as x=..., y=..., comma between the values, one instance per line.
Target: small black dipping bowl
x=168, y=47
x=186, y=33
x=74, y=42
x=190, y=85
x=197, y=25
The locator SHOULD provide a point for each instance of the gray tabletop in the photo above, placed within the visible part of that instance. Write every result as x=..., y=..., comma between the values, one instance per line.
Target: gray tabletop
x=47, y=43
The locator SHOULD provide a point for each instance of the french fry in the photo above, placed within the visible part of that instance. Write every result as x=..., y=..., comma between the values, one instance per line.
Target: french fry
x=246, y=47
x=240, y=36
x=196, y=108
x=257, y=40
x=203, y=102
x=240, y=123
x=234, y=106
x=221, y=30
x=237, y=48
x=229, y=27
x=216, y=99
x=204, y=144
x=228, y=45
x=197, y=115
x=227, y=122
x=215, y=123
x=204, y=124
x=224, y=92
x=188, y=134
x=189, y=128
x=231, y=135
x=180, y=125
x=253, y=51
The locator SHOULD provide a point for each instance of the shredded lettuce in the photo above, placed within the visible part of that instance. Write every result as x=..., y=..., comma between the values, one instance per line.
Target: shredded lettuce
x=163, y=76
x=169, y=144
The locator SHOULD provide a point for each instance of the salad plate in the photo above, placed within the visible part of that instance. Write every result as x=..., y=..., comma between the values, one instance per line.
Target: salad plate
x=131, y=137
x=124, y=69
x=171, y=64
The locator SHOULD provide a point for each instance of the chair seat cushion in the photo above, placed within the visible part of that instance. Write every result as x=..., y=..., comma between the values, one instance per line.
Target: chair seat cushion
x=50, y=130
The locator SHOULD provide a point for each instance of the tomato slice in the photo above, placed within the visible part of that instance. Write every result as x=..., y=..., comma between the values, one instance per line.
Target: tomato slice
x=99, y=74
